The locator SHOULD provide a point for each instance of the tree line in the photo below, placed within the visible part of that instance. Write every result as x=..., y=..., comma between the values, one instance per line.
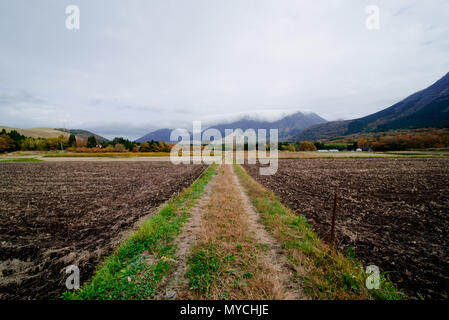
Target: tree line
x=407, y=141
x=14, y=141
x=119, y=144
x=385, y=141
x=389, y=141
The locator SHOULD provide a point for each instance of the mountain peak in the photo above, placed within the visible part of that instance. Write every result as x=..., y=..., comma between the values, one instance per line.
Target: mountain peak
x=423, y=109
x=287, y=126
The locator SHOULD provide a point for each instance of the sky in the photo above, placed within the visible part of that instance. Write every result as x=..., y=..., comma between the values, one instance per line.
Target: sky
x=135, y=66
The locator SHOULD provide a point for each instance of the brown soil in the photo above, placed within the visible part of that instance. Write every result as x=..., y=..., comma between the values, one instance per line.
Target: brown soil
x=393, y=212
x=57, y=214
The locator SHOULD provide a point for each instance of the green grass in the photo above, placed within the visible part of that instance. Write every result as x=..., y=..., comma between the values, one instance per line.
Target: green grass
x=325, y=273
x=127, y=274
x=22, y=160
x=212, y=267
x=205, y=267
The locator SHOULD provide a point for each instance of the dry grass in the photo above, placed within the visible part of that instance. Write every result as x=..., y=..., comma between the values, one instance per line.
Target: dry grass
x=228, y=262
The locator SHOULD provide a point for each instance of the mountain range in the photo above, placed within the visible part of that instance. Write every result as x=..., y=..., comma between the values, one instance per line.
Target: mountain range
x=83, y=134
x=423, y=109
x=288, y=126
x=428, y=108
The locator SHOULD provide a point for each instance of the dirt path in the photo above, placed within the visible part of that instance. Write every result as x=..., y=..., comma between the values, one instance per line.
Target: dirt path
x=248, y=262
x=275, y=254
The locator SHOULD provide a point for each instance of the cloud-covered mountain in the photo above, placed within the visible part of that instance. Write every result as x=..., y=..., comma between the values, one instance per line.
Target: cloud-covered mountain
x=157, y=135
x=287, y=126
x=423, y=109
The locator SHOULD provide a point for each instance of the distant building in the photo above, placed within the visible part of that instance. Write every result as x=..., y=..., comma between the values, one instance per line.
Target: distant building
x=359, y=150
x=334, y=150
x=322, y=150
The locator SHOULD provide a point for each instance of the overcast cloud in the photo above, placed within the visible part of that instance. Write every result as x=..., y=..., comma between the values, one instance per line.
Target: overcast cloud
x=135, y=66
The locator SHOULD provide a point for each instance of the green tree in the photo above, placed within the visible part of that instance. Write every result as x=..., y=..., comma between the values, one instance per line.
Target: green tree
x=128, y=144
x=319, y=145
x=72, y=140
x=41, y=145
x=28, y=144
x=91, y=142
x=17, y=137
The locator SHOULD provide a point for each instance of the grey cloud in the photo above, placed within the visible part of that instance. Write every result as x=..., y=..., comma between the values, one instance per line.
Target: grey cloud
x=140, y=65
x=8, y=97
x=402, y=10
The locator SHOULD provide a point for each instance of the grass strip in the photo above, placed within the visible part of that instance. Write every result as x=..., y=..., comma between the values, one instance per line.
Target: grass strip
x=324, y=272
x=139, y=264
x=22, y=160
x=107, y=154
x=228, y=262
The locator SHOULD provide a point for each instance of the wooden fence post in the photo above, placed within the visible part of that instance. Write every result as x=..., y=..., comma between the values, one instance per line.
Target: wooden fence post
x=334, y=213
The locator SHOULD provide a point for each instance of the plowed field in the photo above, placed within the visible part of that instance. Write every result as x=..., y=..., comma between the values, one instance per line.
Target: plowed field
x=56, y=214
x=392, y=212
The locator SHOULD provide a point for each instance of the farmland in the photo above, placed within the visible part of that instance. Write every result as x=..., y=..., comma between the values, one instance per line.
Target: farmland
x=57, y=214
x=391, y=213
